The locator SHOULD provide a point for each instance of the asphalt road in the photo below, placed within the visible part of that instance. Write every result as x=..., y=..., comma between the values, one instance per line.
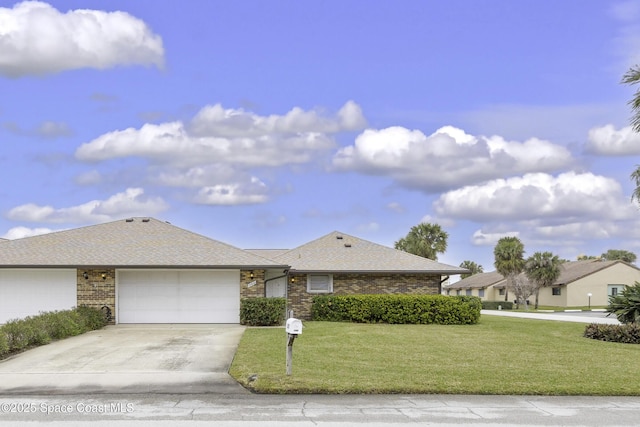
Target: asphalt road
x=318, y=410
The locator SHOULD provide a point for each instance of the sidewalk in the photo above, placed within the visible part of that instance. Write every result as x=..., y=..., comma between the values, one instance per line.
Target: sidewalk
x=562, y=317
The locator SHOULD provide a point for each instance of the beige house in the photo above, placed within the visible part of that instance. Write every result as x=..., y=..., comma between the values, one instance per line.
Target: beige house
x=142, y=270
x=581, y=283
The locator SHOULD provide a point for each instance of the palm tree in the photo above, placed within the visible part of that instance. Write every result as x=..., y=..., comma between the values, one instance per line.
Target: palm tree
x=543, y=269
x=471, y=266
x=509, y=260
x=425, y=240
x=632, y=77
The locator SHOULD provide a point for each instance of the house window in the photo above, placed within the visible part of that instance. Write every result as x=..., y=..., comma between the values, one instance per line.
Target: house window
x=468, y=292
x=458, y=292
x=481, y=293
x=501, y=291
x=555, y=291
x=448, y=291
x=319, y=283
x=613, y=290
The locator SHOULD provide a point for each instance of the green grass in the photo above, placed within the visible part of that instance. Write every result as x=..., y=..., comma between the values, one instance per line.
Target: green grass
x=496, y=356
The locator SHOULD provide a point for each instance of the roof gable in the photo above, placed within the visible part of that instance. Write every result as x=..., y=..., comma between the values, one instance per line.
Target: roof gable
x=340, y=252
x=134, y=242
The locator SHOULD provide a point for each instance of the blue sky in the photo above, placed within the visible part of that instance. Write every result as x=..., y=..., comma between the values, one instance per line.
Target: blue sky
x=268, y=124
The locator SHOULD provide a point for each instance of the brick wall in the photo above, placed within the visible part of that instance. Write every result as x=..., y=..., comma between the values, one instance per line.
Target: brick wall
x=348, y=284
x=98, y=290
x=256, y=290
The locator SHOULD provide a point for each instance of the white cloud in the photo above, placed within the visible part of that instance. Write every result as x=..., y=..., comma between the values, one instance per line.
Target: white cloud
x=396, y=207
x=227, y=136
x=448, y=158
x=233, y=194
x=131, y=202
x=533, y=196
x=608, y=141
x=481, y=238
x=216, y=121
x=20, y=232
x=218, y=149
x=37, y=39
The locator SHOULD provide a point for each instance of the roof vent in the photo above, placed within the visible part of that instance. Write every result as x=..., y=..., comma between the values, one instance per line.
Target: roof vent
x=339, y=237
x=129, y=220
x=145, y=219
x=347, y=245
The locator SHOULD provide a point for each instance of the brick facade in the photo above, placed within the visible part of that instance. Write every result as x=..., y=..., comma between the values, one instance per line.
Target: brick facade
x=348, y=284
x=257, y=289
x=98, y=289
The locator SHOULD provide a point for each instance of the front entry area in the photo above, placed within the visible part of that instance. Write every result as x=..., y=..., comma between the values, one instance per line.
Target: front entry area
x=178, y=296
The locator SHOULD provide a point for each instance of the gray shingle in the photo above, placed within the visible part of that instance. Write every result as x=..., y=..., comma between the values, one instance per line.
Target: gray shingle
x=340, y=252
x=136, y=242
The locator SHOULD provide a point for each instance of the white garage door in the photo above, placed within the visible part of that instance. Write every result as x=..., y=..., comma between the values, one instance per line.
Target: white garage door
x=27, y=292
x=178, y=296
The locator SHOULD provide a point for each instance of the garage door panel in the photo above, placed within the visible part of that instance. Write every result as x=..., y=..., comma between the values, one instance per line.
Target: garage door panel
x=178, y=296
x=28, y=292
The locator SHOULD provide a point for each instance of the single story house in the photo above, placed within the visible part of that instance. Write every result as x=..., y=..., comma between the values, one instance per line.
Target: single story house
x=577, y=280
x=143, y=270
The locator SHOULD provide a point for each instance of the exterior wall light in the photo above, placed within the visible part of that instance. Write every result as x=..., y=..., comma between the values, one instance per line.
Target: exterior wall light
x=85, y=275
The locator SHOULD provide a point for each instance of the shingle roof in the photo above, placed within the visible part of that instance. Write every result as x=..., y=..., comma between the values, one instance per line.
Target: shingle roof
x=569, y=272
x=267, y=253
x=135, y=242
x=339, y=252
x=478, y=281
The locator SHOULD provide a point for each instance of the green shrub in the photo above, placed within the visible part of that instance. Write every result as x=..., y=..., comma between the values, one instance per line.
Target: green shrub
x=18, y=333
x=417, y=309
x=493, y=305
x=627, y=334
x=262, y=311
x=626, y=305
x=4, y=345
x=90, y=318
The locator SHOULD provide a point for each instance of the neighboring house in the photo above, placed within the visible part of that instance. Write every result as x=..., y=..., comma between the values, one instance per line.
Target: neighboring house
x=577, y=280
x=479, y=285
x=149, y=271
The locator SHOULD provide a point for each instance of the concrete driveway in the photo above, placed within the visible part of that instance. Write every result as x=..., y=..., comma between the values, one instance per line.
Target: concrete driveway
x=129, y=359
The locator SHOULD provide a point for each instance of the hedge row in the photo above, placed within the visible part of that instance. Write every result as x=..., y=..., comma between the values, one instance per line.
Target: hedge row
x=262, y=311
x=493, y=305
x=20, y=334
x=626, y=334
x=415, y=309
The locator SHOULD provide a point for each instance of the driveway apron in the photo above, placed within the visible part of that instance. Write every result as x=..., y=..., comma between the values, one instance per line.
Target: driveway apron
x=129, y=359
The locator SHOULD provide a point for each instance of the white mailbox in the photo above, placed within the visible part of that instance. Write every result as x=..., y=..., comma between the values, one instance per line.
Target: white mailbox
x=294, y=326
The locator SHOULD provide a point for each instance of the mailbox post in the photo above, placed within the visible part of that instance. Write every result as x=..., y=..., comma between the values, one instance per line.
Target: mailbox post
x=293, y=328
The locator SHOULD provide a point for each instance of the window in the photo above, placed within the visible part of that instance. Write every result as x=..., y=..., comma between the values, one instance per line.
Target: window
x=468, y=292
x=448, y=291
x=319, y=283
x=555, y=291
x=481, y=293
x=501, y=291
x=458, y=292
x=613, y=290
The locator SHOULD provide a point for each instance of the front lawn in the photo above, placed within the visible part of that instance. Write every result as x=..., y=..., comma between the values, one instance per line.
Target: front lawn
x=499, y=355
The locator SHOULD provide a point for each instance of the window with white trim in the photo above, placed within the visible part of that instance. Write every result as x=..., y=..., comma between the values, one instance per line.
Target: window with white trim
x=481, y=293
x=468, y=292
x=319, y=283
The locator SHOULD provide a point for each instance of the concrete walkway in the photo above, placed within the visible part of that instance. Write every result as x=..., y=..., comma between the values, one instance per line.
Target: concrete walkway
x=580, y=317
